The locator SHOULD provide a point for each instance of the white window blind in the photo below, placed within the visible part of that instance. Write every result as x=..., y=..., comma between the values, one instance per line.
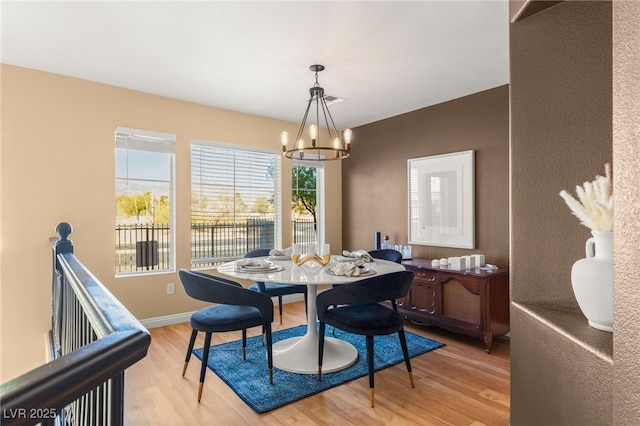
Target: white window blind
x=235, y=202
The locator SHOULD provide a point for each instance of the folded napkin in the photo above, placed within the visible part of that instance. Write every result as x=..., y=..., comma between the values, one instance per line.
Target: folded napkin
x=280, y=252
x=256, y=262
x=348, y=269
x=358, y=254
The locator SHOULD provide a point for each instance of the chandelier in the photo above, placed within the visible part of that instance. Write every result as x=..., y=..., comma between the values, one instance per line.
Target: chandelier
x=326, y=143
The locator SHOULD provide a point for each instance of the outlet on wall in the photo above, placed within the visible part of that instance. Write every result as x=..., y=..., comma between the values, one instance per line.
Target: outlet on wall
x=171, y=288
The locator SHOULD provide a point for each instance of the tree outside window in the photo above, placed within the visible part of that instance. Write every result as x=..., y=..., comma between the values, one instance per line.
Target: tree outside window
x=304, y=197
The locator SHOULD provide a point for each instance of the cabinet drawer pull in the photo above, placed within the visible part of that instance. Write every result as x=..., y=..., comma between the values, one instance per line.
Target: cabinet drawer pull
x=428, y=277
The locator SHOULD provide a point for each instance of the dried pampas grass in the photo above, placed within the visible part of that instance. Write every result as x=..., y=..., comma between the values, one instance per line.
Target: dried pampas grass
x=595, y=205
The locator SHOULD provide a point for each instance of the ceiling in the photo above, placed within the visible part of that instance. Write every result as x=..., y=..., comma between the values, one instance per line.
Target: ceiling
x=382, y=58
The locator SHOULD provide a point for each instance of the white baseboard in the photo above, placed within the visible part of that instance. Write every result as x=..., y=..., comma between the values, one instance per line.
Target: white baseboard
x=166, y=320
x=185, y=316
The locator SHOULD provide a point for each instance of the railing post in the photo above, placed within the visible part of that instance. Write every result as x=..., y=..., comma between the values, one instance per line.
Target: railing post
x=63, y=245
x=117, y=400
x=60, y=246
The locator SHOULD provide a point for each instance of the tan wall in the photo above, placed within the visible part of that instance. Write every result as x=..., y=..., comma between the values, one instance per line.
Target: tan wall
x=375, y=176
x=626, y=157
x=561, y=136
x=58, y=165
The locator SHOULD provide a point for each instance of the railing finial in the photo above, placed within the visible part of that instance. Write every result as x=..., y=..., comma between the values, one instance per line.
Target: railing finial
x=63, y=229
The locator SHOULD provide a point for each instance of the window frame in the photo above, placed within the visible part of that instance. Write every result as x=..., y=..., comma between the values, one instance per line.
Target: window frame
x=168, y=146
x=320, y=196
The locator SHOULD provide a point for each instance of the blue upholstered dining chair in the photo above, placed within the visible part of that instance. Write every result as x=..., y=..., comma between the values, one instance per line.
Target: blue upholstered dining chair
x=356, y=308
x=387, y=254
x=273, y=290
x=236, y=309
x=384, y=254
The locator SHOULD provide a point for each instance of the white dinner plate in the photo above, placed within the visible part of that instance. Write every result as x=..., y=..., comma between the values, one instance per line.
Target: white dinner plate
x=274, y=268
x=363, y=272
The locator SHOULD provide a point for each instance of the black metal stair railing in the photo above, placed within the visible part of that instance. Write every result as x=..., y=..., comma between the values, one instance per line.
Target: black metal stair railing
x=94, y=338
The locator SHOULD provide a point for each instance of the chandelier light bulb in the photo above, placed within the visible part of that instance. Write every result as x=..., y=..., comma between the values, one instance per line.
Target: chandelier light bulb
x=284, y=136
x=347, y=135
x=347, y=138
x=313, y=133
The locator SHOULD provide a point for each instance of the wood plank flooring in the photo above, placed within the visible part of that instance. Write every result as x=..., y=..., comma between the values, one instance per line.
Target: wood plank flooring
x=459, y=384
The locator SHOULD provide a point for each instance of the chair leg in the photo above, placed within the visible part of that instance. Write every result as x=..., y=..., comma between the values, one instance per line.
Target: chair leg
x=280, y=308
x=333, y=332
x=244, y=344
x=194, y=333
x=269, y=351
x=371, y=368
x=405, y=352
x=320, y=349
x=205, y=359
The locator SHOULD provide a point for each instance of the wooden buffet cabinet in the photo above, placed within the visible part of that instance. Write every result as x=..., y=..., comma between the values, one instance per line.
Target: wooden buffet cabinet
x=473, y=302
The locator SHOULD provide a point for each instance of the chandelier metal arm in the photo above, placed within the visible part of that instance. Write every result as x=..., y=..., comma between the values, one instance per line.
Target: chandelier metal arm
x=298, y=138
x=336, y=134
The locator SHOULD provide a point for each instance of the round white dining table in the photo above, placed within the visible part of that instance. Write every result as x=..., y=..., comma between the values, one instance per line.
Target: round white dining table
x=300, y=354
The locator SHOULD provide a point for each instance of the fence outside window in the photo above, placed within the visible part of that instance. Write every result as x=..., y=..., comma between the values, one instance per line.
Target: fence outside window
x=304, y=232
x=213, y=243
x=145, y=247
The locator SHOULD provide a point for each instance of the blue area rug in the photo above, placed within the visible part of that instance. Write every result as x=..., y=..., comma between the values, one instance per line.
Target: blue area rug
x=250, y=379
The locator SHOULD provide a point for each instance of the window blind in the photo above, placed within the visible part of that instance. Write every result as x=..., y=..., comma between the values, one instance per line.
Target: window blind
x=235, y=198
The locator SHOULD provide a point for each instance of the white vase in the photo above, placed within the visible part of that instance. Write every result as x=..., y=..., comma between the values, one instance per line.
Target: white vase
x=592, y=281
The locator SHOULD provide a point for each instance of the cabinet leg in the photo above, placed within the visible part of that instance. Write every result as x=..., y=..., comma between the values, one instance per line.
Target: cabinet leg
x=488, y=342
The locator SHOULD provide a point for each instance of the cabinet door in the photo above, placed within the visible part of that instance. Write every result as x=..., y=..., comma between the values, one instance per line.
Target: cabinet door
x=460, y=304
x=424, y=295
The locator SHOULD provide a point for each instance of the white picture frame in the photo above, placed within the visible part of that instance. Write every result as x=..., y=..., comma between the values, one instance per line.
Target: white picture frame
x=441, y=194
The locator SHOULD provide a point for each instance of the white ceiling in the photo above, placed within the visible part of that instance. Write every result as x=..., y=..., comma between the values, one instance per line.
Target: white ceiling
x=383, y=58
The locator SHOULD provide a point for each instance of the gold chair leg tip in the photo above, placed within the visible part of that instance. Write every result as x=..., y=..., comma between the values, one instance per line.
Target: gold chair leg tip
x=371, y=397
x=200, y=391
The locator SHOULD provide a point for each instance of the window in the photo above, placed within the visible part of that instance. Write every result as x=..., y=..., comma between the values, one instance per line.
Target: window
x=307, y=204
x=144, y=201
x=235, y=202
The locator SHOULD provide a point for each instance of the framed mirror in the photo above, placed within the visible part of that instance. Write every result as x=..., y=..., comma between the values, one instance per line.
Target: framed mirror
x=442, y=200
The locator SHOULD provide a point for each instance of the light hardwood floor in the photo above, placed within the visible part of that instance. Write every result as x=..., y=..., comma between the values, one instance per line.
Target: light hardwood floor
x=458, y=384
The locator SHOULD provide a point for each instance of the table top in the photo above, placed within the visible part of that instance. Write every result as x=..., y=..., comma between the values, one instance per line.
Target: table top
x=308, y=273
